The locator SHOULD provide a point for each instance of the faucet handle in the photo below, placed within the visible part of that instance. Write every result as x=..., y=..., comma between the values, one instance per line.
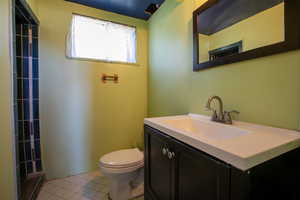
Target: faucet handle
x=227, y=115
x=232, y=112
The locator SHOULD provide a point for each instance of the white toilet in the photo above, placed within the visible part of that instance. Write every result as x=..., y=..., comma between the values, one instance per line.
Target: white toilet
x=125, y=169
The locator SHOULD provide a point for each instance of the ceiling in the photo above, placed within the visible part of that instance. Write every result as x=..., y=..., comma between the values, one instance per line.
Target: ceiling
x=131, y=8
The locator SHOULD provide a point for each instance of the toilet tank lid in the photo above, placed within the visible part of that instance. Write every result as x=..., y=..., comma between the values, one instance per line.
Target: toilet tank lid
x=123, y=157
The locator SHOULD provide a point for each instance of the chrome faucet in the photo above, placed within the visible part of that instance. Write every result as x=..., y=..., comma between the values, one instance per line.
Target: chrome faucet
x=221, y=116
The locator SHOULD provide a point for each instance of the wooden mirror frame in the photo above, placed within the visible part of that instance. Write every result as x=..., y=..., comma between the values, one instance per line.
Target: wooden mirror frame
x=292, y=38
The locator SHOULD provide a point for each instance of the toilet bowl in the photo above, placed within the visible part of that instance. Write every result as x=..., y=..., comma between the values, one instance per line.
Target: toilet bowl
x=125, y=171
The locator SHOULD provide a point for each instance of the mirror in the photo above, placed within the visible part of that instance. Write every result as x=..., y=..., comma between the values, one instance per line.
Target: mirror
x=227, y=31
x=231, y=27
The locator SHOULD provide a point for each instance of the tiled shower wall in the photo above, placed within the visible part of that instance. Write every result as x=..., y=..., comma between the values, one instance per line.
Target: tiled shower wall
x=27, y=101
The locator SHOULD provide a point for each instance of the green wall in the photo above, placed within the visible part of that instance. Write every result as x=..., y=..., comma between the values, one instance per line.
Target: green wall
x=265, y=90
x=33, y=5
x=82, y=118
x=170, y=59
x=7, y=178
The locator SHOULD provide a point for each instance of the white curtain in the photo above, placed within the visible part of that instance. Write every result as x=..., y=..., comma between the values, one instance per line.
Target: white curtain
x=102, y=40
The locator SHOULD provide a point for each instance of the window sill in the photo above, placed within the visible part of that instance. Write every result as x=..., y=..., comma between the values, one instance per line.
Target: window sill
x=102, y=61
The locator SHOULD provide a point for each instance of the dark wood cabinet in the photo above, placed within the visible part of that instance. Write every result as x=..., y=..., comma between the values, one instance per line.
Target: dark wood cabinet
x=159, y=171
x=198, y=176
x=177, y=171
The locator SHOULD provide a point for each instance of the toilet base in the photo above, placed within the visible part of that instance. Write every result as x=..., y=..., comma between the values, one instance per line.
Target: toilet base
x=138, y=191
x=126, y=186
x=137, y=184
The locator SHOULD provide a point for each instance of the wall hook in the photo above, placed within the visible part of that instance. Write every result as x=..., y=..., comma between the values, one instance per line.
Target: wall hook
x=114, y=78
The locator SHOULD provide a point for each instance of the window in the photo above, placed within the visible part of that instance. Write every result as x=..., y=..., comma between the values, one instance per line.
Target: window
x=96, y=39
x=231, y=49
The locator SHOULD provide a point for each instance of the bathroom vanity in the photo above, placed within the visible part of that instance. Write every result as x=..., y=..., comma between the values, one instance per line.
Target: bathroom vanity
x=191, y=158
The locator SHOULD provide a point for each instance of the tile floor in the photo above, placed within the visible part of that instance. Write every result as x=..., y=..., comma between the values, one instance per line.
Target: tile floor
x=89, y=186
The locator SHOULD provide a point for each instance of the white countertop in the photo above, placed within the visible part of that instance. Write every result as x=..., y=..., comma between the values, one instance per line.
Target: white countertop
x=256, y=145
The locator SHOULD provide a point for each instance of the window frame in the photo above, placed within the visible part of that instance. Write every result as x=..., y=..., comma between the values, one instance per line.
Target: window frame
x=101, y=60
x=238, y=45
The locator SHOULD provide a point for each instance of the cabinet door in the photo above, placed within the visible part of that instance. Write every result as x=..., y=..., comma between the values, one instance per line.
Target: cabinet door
x=199, y=176
x=158, y=172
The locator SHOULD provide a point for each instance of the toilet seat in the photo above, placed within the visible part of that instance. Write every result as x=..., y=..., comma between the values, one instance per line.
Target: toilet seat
x=124, y=170
x=122, y=161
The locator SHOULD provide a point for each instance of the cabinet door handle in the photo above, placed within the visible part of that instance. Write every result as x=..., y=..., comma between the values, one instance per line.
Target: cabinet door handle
x=165, y=151
x=171, y=155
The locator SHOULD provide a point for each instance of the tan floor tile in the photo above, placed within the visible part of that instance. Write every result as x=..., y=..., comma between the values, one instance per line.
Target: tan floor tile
x=89, y=186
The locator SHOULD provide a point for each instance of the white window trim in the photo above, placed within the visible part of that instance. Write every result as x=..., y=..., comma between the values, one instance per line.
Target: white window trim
x=100, y=60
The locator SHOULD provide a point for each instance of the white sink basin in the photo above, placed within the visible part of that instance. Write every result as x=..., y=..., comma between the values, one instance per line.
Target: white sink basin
x=243, y=145
x=209, y=130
